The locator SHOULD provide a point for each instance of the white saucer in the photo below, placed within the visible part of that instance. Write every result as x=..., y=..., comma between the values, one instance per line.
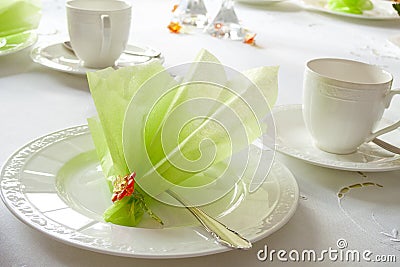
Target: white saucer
x=294, y=140
x=57, y=57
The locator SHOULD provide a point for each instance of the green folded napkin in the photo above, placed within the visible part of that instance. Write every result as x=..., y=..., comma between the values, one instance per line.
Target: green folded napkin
x=18, y=16
x=16, y=41
x=117, y=94
x=350, y=6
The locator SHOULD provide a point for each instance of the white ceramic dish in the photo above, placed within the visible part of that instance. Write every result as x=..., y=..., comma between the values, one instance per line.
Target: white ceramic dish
x=57, y=57
x=14, y=45
x=55, y=185
x=294, y=140
x=382, y=10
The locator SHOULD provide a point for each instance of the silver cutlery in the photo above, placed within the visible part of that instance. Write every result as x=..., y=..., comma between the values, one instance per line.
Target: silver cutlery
x=219, y=231
x=156, y=54
x=386, y=146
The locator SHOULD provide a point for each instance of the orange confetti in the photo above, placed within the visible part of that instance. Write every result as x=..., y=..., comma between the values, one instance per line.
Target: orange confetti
x=218, y=26
x=174, y=27
x=250, y=39
x=174, y=8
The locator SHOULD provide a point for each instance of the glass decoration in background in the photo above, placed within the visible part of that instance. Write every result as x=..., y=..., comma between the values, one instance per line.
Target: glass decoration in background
x=192, y=13
x=226, y=24
x=18, y=19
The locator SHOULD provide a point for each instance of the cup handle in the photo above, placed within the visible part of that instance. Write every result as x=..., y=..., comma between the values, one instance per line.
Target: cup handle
x=390, y=96
x=389, y=128
x=106, y=31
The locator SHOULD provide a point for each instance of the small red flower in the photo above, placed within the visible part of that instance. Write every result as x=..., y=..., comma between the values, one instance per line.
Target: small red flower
x=123, y=186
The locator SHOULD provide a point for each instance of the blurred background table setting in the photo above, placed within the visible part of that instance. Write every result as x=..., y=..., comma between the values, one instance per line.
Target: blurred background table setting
x=313, y=200
x=19, y=19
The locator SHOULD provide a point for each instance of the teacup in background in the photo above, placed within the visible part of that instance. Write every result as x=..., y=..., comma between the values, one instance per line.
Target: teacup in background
x=343, y=101
x=98, y=30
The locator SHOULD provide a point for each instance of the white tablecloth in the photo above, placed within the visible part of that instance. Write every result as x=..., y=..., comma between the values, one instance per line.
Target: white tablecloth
x=35, y=101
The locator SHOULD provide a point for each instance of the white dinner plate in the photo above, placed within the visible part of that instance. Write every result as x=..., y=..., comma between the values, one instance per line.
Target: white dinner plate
x=17, y=42
x=293, y=139
x=55, y=185
x=57, y=57
x=382, y=10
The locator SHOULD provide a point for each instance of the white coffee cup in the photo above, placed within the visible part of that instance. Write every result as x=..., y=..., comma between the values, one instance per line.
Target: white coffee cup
x=343, y=101
x=99, y=30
